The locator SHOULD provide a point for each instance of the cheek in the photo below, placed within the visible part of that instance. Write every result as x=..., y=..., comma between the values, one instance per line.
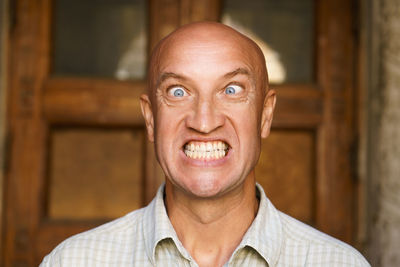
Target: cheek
x=166, y=126
x=249, y=120
x=247, y=124
x=164, y=119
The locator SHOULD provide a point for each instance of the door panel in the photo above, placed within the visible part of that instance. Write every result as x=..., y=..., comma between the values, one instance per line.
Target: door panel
x=286, y=170
x=95, y=173
x=79, y=154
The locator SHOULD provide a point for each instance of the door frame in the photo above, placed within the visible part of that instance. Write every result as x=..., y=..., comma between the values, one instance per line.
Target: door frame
x=32, y=105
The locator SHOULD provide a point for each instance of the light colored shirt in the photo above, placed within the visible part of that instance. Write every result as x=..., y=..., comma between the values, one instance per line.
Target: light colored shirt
x=146, y=237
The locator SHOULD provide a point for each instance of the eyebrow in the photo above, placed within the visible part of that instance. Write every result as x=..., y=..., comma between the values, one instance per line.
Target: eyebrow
x=236, y=72
x=167, y=75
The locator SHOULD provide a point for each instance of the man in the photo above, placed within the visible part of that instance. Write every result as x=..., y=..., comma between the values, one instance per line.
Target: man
x=207, y=107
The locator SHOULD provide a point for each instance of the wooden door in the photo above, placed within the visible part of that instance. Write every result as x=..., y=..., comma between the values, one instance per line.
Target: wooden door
x=78, y=153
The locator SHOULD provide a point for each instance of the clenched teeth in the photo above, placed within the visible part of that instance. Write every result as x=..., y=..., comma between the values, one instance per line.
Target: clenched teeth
x=206, y=150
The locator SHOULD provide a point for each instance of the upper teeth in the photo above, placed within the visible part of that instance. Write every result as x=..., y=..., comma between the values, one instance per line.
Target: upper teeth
x=206, y=150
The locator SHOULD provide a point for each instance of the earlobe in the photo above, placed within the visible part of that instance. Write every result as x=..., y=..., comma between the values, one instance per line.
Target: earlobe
x=267, y=113
x=147, y=112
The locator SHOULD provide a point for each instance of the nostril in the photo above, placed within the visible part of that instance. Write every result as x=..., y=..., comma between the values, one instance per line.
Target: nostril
x=205, y=118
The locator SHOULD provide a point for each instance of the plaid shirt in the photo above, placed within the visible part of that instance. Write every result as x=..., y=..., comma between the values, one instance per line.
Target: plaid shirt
x=146, y=237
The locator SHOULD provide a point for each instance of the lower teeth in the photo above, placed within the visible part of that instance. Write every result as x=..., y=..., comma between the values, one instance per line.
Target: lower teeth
x=216, y=154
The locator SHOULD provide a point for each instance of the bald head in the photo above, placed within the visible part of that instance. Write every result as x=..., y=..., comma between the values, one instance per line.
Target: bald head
x=207, y=85
x=207, y=36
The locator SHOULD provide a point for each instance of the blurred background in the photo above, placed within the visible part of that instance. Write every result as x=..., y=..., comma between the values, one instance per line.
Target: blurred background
x=73, y=147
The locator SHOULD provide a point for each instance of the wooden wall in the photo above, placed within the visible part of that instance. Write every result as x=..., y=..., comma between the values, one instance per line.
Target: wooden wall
x=3, y=53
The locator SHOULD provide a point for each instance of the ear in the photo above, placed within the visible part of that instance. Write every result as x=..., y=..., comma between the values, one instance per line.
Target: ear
x=147, y=112
x=267, y=113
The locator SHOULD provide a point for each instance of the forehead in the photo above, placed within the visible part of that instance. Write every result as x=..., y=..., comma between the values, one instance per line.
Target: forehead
x=205, y=47
x=206, y=52
x=203, y=56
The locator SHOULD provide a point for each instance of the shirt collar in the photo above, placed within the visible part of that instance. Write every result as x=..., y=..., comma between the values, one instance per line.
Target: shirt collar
x=264, y=235
x=157, y=227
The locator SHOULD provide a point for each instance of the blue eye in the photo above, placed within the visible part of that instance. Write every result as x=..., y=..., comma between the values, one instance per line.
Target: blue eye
x=233, y=89
x=177, y=92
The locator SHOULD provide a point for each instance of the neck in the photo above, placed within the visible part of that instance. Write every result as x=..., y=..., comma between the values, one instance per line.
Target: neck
x=211, y=229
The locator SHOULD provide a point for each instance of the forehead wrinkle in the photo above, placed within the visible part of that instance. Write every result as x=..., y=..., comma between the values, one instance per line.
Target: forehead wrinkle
x=171, y=75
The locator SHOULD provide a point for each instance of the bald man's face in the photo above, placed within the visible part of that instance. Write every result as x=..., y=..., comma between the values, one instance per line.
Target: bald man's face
x=207, y=112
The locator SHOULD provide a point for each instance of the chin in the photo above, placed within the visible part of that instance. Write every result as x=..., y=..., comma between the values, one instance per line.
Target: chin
x=205, y=191
x=207, y=187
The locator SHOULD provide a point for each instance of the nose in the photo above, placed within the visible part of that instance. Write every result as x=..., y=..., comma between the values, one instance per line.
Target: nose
x=205, y=117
